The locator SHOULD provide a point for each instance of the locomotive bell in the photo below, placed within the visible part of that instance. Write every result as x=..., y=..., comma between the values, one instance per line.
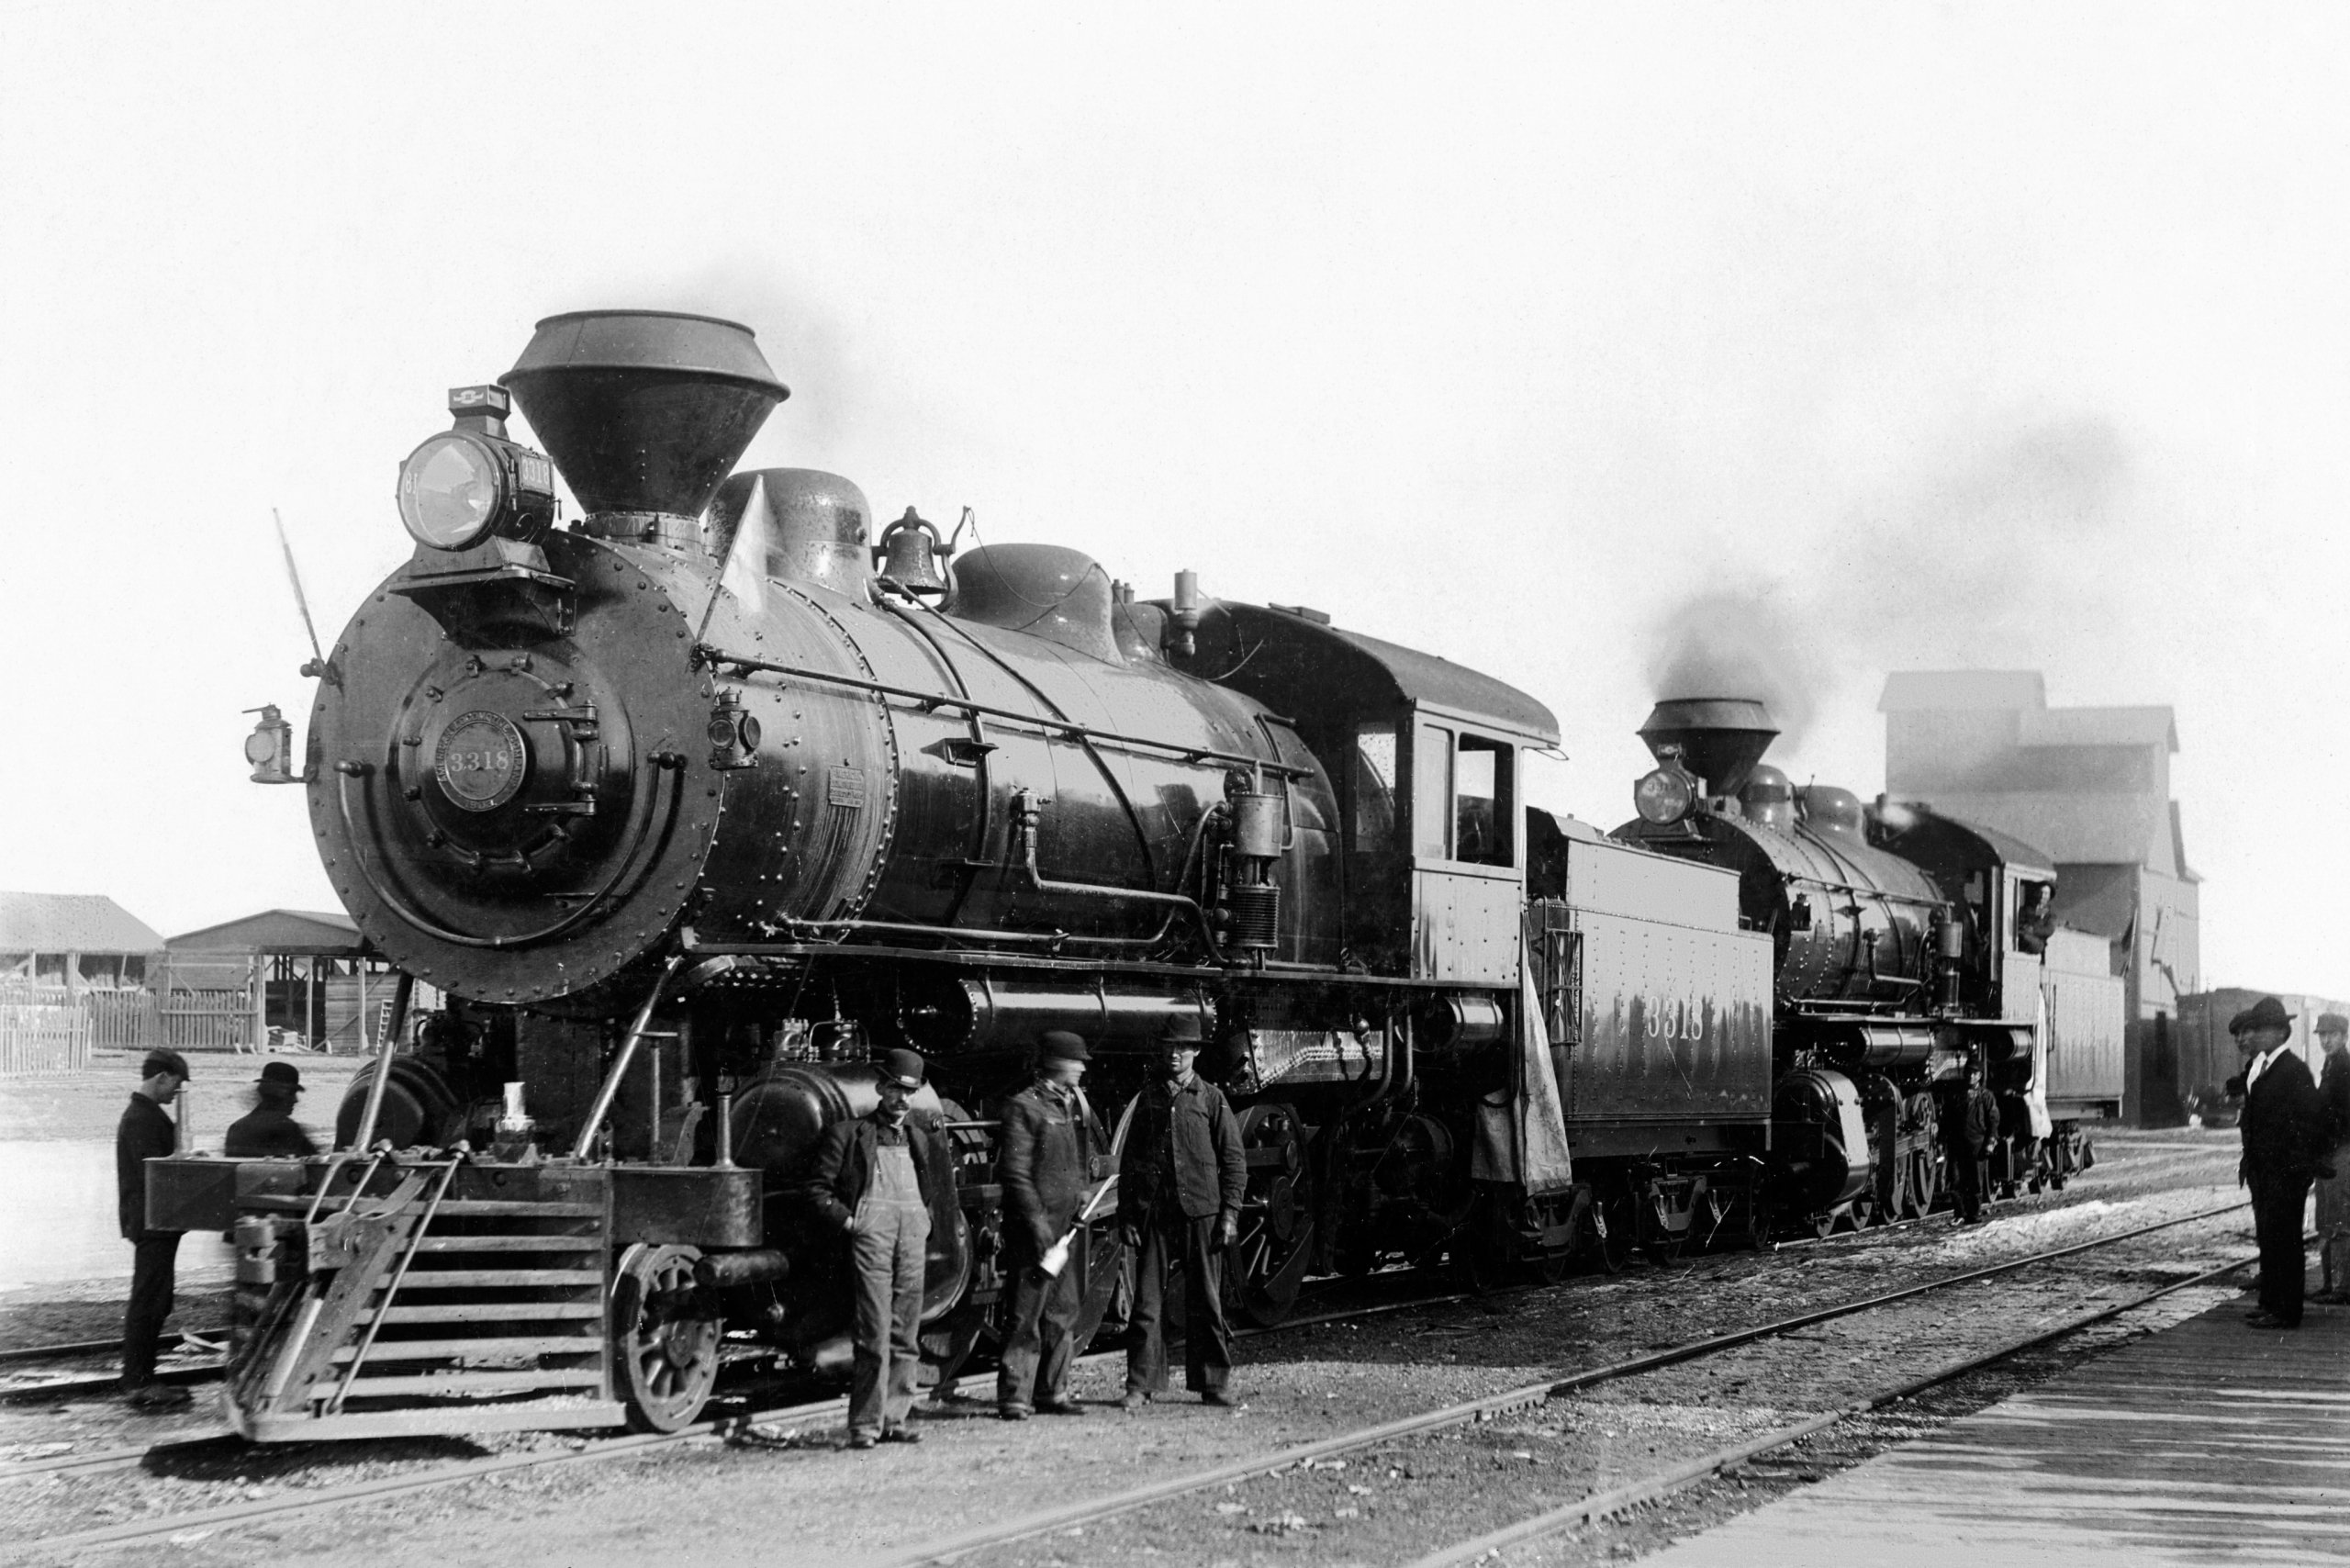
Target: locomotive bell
x=908, y=554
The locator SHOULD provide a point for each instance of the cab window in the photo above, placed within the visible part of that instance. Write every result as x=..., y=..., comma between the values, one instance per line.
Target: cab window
x=1372, y=824
x=1463, y=797
x=1432, y=793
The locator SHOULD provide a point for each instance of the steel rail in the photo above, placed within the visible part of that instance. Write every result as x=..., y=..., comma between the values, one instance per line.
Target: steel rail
x=71, y=1348
x=1615, y=1499
x=1523, y=1398
x=230, y=1516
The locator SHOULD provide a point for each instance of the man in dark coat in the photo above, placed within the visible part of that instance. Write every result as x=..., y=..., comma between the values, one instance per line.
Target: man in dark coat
x=1051, y=1157
x=145, y=1133
x=1974, y=1123
x=2284, y=1135
x=269, y=1128
x=1181, y=1180
x=2333, y=1192
x=874, y=1179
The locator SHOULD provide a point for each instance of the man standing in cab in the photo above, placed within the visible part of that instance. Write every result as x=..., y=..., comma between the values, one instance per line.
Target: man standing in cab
x=874, y=1180
x=1181, y=1180
x=146, y=1133
x=2284, y=1134
x=1052, y=1156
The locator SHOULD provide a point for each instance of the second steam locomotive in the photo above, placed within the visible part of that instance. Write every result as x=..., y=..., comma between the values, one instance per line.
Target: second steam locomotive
x=690, y=809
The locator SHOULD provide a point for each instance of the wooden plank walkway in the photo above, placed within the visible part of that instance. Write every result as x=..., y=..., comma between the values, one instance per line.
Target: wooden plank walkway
x=2209, y=1442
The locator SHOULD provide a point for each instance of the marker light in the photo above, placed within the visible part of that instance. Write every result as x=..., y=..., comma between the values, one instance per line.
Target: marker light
x=1664, y=796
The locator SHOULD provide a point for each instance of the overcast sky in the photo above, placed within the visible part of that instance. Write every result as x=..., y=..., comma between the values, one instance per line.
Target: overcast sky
x=1886, y=337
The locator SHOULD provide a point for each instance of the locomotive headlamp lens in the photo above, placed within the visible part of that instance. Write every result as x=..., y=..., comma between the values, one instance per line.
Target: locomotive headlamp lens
x=452, y=489
x=1663, y=796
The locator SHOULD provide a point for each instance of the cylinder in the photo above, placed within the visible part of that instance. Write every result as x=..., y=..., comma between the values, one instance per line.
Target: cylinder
x=724, y=1271
x=1256, y=824
x=1463, y=1019
x=1256, y=916
x=989, y=1013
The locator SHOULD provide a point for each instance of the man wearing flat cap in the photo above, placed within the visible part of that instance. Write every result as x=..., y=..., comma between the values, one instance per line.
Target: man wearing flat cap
x=2333, y=1192
x=1180, y=1179
x=146, y=1133
x=2284, y=1135
x=1051, y=1158
x=269, y=1130
x=875, y=1179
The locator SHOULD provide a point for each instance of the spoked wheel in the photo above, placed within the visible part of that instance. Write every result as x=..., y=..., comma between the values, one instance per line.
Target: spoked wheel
x=1268, y=1259
x=1923, y=1187
x=1755, y=1219
x=665, y=1353
x=1823, y=1221
x=1862, y=1211
x=1611, y=1234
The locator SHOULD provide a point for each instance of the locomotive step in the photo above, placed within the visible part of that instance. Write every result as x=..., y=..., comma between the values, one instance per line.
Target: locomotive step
x=510, y=1243
x=465, y=1385
x=453, y=1207
x=455, y=1279
x=487, y=1312
x=449, y=1349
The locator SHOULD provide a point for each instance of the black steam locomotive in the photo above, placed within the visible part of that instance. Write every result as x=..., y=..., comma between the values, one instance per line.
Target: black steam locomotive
x=689, y=809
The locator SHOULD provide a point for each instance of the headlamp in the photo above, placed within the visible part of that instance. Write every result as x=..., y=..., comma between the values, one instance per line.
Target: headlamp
x=465, y=484
x=1664, y=796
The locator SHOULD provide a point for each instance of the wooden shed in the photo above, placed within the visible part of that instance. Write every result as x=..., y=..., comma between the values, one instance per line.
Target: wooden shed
x=299, y=979
x=75, y=974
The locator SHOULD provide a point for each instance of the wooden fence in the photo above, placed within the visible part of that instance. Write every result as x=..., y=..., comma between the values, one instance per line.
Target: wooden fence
x=52, y=1029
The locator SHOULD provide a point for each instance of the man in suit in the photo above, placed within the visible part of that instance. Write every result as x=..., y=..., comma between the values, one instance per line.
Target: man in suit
x=875, y=1179
x=2284, y=1135
x=1973, y=1124
x=1181, y=1180
x=269, y=1130
x=145, y=1133
x=1052, y=1154
x=2333, y=1192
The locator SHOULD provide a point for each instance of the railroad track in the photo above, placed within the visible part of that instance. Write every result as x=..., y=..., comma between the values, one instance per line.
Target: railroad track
x=738, y=1423
x=1072, y=1515
x=731, y=1426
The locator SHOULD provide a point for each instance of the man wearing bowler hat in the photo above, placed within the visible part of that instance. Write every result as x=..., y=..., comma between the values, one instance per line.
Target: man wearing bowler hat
x=2284, y=1133
x=1180, y=1179
x=2333, y=1192
x=269, y=1128
x=146, y=1133
x=875, y=1179
x=1052, y=1156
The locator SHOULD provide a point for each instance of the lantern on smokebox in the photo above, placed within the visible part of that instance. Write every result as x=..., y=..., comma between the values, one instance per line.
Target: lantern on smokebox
x=270, y=748
x=733, y=733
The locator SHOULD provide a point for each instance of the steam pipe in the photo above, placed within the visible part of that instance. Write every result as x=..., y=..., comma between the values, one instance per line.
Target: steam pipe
x=1023, y=818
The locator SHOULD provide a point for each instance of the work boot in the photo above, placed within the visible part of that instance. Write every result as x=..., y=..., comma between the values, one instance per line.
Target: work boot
x=1012, y=1412
x=899, y=1435
x=1059, y=1407
x=1214, y=1397
x=1134, y=1400
x=861, y=1440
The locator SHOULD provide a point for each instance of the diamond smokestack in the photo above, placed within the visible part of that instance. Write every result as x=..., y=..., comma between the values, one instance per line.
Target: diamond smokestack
x=1721, y=738
x=644, y=411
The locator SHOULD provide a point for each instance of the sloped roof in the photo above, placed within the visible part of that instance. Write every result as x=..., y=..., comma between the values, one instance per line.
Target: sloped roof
x=1910, y=690
x=71, y=923
x=331, y=933
x=2098, y=726
x=2133, y=830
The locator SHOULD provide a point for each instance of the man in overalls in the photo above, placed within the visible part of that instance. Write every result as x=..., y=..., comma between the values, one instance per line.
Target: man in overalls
x=873, y=1180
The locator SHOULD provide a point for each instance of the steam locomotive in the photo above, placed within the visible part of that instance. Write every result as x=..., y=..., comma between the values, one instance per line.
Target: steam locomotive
x=691, y=808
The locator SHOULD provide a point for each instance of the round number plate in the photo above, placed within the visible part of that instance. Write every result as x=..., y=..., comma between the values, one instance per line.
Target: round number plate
x=480, y=761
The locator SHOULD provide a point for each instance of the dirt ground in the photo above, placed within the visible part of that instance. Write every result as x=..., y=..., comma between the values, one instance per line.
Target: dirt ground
x=798, y=1497
x=84, y=1106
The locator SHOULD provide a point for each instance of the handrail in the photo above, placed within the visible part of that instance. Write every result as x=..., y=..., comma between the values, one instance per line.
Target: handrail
x=743, y=664
x=375, y=1322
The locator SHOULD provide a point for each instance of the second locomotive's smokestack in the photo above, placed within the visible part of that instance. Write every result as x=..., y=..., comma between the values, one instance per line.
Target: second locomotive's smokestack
x=644, y=411
x=1721, y=738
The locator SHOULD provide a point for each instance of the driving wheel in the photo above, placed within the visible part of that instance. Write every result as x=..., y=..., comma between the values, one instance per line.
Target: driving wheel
x=664, y=1347
x=1268, y=1259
